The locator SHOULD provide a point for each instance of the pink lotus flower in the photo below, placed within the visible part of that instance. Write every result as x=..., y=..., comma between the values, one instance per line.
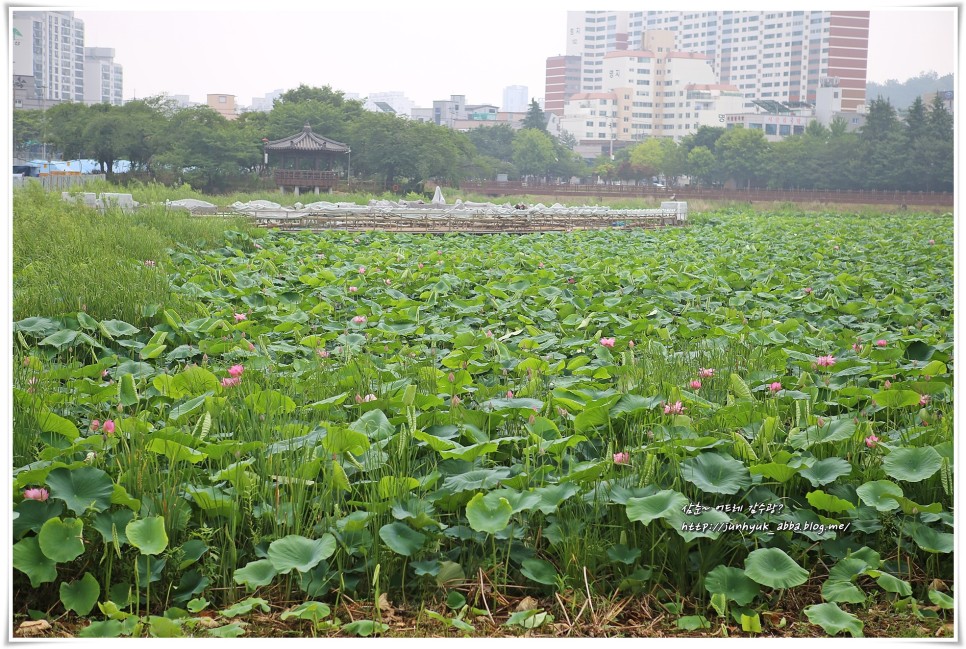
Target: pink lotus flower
x=540, y=265
x=695, y=384
x=676, y=408
x=808, y=290
x=362, y=270
x=258, y=246
x=230, y=382
x=820, y=422
x=36, y=493
x=532, y=419
x=240, y=316
x=825, y=361
x=96, y=424
x=323, y=353
x=149, y=263
x=419, y=265
x=388, y=281
x=509, y=394
x=887, y=384
x=630, y=343
x=924, y=399
x=706, y=372
x=456, y=400
x=451, y=377
x=439, y=252
x=621, y=458
x=236, y=370
x=359, y=319
x=369, y=397
x=489, y=334
x=109, y=427
x=857, y=347
x=608, y=342
x=571, y=280
x=871, y=441
x=775, y=387
x=881, y=343
x=932, y=242
x=251, y=346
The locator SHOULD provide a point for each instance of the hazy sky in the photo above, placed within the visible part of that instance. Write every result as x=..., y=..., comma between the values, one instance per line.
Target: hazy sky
x=427, y=50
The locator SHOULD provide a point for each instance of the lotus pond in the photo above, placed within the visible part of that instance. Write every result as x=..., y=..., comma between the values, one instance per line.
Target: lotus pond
x=743, y=417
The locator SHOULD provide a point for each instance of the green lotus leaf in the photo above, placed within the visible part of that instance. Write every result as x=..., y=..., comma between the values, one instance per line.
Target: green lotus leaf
x=733, y=583
x=826, y=471
x=82, y=489
x=912, y=464
x=256, y=573
x=659, y=505
x=489, y=517
x=62, y=540
x=147, y=535
x=881, y=494
x=717, y=473
x=773, y=568
x=540, y=571
x=827, y=502
x=896, y=398
x=295, y=552
x=834, y=620
x=80, y=596
x=29, y=559
x=402, y=539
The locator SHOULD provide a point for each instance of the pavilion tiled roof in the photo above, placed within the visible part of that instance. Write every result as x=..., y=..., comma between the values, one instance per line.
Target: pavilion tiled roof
x=306, y=141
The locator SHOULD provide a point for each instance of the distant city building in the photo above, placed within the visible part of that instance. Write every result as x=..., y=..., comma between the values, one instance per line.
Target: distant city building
x=224, y=105
x=778, y=55
x=447, y=111
x=48, y=52
x=182, y=101
x=515, y=99
x=395, y=100
x=947, y=97
x=653, y=92
x=103, y=78
x=562, y=82
x=266, y=102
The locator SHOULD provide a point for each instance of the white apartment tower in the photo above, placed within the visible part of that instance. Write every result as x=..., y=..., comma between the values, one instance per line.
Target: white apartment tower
x=49, y=46
x=103, y=78
x=777, y=55
x=516, y=99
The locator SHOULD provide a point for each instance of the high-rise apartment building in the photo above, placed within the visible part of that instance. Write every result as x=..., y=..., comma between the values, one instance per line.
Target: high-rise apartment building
x=771, y=55
x=515, y=99
x=103, y=78
x=48, y=53
x=562, y=82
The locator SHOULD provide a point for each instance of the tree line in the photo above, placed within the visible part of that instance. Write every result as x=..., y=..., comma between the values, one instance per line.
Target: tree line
x=198, y=146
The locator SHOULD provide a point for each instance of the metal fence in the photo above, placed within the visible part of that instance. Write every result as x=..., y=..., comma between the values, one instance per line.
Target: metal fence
x=58, y=183
x=897, y=198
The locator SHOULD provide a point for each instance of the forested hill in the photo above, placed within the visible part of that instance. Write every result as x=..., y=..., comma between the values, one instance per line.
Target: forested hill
x=902, y=94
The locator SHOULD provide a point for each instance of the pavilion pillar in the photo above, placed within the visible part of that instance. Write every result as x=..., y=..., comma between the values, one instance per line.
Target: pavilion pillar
x=316, y=191
x=296, y=190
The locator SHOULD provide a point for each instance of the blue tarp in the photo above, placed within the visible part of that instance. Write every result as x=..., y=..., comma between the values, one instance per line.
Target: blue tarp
x=82, y=166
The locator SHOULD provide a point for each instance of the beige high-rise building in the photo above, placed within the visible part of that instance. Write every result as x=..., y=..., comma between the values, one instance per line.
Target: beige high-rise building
x=224, y=105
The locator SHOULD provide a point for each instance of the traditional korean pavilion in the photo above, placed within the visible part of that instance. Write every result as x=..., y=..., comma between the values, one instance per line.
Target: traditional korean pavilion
x=305, y=161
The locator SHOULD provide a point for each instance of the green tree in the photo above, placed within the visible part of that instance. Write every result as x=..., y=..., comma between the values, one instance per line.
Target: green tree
x=535, y=119
x=493, y=141
x=701, y=165
x=103, y=137
x=940, y=168
x=674, y=160
x=533, y=152
x=64, y=126
x=386, y=146
x=882, y=144
x=740, y=155
x=28, y=129
x=647, y=157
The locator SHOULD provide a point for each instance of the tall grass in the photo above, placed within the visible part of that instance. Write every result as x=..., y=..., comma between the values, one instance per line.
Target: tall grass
x=69, y=258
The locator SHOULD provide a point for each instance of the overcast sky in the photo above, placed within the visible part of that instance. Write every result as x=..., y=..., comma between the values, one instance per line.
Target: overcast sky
x=427, y=50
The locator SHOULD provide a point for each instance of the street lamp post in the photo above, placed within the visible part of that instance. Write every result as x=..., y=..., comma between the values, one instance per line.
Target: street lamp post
x=348, y=169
